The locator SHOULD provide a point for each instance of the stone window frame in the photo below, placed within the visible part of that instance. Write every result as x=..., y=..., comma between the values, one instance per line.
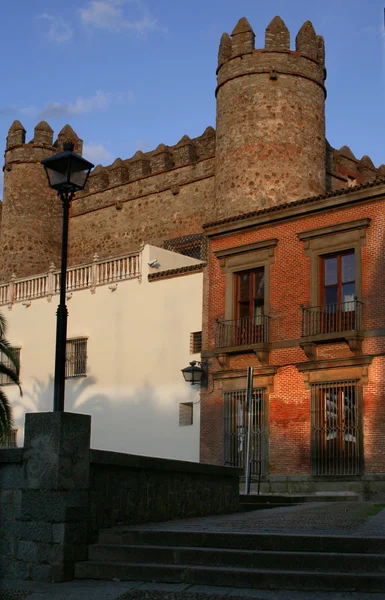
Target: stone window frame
x=243, y=258
x=334, y=238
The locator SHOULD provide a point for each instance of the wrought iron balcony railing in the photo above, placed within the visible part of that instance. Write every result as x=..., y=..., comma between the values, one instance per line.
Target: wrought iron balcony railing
x=332, y=318
x=242, y=332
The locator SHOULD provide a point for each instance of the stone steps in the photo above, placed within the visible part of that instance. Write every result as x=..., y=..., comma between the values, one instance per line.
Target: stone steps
x=275, y=561
x=232, y=577
x=250, y=559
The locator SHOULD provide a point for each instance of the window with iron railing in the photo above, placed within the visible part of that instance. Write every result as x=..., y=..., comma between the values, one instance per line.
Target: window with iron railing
x=236, y=420
x=339, y=309
x=336, y=428
x=196, y=342
x=5, y=379
x=76, y=358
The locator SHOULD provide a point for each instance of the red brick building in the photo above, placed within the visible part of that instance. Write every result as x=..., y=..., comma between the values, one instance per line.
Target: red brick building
x=298, y=292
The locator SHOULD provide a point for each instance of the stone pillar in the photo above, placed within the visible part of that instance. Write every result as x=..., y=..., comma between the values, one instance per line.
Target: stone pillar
x=54, y=505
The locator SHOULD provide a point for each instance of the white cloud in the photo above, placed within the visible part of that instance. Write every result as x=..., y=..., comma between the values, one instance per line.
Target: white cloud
x=59, y=30
x=100, y=101
x=109, y=15
x=97, y=153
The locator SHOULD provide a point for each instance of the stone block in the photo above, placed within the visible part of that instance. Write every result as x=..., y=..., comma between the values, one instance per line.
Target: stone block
x=70, y=532
x=54, y=506
x=11, y=477
x=50, y=553
x=41, y=573
x=14, y=569
x=56, y=451
x=62, y=572
x=17, y=494
x=27, y=551
x=6, y=497
x=8, y=547
x=9, y=511
x=35, y=531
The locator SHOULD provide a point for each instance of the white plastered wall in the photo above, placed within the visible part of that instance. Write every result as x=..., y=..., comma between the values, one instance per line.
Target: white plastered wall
x=138, y=342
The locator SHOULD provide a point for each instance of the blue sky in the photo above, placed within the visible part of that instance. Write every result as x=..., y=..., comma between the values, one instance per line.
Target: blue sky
x=130, y=74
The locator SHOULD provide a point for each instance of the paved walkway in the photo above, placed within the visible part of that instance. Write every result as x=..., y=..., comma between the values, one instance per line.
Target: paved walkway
x=347, y=519
x=325, y=518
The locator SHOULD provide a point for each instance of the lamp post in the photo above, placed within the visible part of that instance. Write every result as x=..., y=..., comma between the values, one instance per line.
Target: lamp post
x=67, y=173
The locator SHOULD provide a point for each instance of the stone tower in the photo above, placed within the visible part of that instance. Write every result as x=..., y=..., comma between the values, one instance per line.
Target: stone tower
x=31, y=211
x=270, y=137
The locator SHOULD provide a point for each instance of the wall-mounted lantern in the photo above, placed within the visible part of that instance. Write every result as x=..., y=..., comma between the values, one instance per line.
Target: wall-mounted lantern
x=196, y=373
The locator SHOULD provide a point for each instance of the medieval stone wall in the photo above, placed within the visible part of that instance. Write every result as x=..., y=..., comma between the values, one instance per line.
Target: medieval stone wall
x=269, y=148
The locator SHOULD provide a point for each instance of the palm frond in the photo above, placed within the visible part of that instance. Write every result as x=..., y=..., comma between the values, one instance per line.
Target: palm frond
x=3, y=326
x=6, y=421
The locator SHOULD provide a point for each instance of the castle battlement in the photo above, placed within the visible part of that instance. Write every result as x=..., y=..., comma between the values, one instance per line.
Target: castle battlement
x=238, y=56
x=268, y=148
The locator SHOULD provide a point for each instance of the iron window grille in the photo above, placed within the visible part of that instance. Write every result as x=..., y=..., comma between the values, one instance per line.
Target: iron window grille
x=4, y=379
x=186, y=414
x=235, y=430
x=76, y=358
x=336, y=428
x=196, y=342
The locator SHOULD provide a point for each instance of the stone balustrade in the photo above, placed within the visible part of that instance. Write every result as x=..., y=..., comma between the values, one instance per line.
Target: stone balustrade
x=79, y=277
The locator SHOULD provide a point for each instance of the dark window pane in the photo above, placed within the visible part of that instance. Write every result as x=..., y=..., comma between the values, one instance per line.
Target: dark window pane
x=348, y=273
x=244, y=310
x=244, y=287
x=259, y=288
x=330, y=270
x=331, y=294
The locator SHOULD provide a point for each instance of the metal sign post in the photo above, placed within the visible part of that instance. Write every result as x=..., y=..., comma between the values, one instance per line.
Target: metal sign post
x=249, y=399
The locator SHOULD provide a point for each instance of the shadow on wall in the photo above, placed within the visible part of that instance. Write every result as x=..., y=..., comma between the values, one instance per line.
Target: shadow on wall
x=143, y=421
x=140, y=420
x=38, y=397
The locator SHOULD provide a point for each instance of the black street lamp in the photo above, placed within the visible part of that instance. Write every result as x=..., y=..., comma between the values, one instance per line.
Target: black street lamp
x=67, y=173
x=195, y=374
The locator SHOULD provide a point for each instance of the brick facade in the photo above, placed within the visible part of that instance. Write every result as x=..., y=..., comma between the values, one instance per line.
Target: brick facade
x=288, y=366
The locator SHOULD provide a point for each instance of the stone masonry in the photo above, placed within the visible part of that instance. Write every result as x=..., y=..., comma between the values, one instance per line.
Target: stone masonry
x=269, y=147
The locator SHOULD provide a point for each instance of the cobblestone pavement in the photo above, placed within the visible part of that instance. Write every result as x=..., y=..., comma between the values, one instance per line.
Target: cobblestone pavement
x=335, y=518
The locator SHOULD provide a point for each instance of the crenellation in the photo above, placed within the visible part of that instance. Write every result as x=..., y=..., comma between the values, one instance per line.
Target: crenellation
x=205, y=144
x=306, y=42
x=242, y=38
x=43, y=134
x=269, y=147
x=185, y=151
x=366, y=169
x=161, y=159
x=224, y=52
x=321, y=49
x=277, y=36
x=99, y=179
x=118, y=173
x=139, y=165
x=16, y=135
x=67, y=134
